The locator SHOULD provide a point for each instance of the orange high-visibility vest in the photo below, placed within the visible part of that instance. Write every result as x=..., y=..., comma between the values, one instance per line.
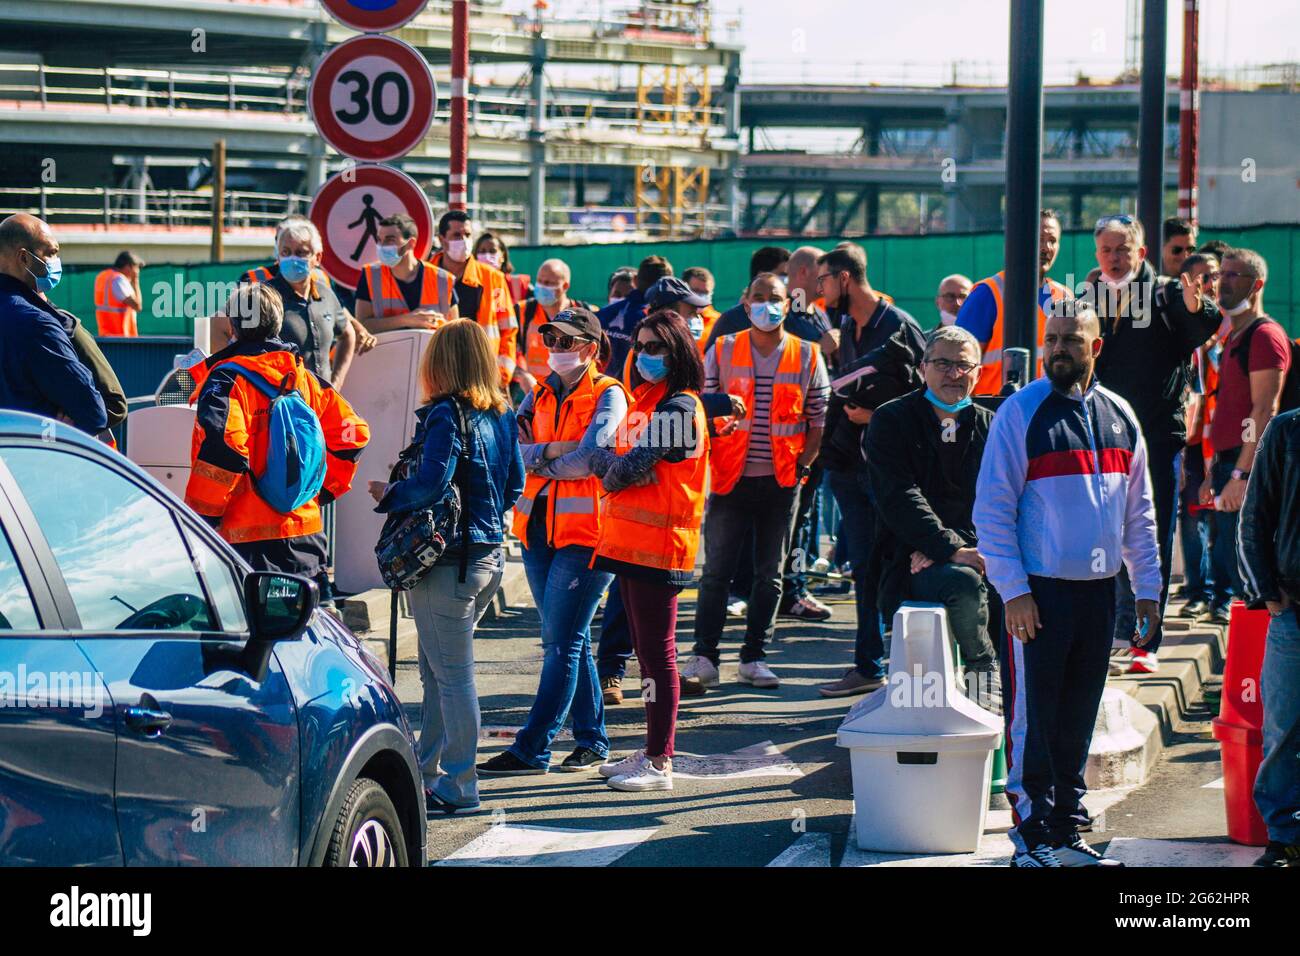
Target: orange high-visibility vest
x=436, y=290
x=215, y=491
x=112, y=315
x=789, y=431
x=710, y=315
x=572, y=507
x=657, y=525
x=990, y=380
x=496, y=311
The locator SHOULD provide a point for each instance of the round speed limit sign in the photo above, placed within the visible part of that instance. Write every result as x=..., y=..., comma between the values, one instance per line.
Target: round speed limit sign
x=372, y=98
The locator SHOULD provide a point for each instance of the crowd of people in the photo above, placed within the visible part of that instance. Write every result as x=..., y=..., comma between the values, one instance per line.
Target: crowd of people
x=617, y=439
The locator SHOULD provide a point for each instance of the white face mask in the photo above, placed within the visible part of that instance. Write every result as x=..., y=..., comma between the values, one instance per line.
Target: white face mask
x=491, y=258
x=457, y=250
x=564, y=362
x=1239, y=308
x=946, y=318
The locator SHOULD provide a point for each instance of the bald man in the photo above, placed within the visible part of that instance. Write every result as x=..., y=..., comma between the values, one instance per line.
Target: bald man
x=49, y=364
x=952, y=293
x=1063, y=499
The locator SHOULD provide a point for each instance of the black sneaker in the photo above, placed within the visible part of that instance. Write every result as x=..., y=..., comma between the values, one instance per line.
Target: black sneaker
x=1221, y=614
x=1195, y=609
x=435, y=806
x=1042, y=856
x=1279, y=854
x=507, y=765
x=1075, y=852
x=584, y=758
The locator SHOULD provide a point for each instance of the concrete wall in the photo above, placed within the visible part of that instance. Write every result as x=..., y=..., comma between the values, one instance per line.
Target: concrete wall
x=1260, y=127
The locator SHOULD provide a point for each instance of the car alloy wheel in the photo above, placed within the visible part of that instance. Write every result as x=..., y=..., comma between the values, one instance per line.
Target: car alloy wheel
x=371, y=846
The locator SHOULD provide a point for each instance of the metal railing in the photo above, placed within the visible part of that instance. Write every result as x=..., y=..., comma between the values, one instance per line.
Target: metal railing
x=164, y=208
x=501, y=113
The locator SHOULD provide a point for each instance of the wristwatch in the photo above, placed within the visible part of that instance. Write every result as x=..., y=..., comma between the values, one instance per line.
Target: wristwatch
x=804, y=471
x=1238, y=473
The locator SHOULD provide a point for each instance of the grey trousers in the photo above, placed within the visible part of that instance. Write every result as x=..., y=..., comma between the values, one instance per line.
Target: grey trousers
x=962, y=591
x=446, y=612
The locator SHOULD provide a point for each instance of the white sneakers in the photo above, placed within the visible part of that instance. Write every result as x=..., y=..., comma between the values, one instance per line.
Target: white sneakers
x=626, y=765
x=643, y=775
x=737, y=608
x=758, y=674
x=700, y=669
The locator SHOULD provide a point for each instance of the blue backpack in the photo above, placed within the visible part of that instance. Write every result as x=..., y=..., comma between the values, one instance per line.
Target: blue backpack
x=295, y=453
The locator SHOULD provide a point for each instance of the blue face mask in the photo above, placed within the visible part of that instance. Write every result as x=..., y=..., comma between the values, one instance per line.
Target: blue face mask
x=939, y=403
x=766, y=316
x=653, y=368
x=696, y=325
x=390, y=255
x=294, y=268
x=53, y=272
x=545, y=294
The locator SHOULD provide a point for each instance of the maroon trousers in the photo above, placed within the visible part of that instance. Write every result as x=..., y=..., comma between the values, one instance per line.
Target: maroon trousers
x=651, y=610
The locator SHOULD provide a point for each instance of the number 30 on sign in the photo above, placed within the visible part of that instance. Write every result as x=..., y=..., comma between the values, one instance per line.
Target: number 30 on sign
x=372, y=98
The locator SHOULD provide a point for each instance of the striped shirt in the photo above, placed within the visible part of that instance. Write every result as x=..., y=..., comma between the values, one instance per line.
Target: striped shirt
x=758, y=457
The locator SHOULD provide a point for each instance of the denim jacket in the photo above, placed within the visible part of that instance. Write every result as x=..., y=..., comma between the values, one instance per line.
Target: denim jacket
x=496, y=474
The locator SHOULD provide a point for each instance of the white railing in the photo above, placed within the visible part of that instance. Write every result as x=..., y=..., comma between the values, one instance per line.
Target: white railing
x=164, y=208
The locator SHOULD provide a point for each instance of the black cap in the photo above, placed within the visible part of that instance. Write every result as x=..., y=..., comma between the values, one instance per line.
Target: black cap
x=579, y=323
x=670, y=290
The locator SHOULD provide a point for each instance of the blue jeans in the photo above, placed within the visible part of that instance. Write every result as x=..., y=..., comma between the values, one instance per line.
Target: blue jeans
x=614, y=648
x=858, y=532
x=566, y=592
x=1223, y=554
x=1164, y=459
x=1195, y=528
x=1277, y=787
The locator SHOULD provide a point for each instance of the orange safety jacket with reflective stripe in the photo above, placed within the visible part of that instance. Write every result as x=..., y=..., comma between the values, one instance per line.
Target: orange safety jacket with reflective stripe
x=112, y=315
x=572, y=505
x=657, y=525
x=710, y=315
x=436, y=290
x=789, y=430
x=496, y=311
x=230, y=441
x=990, y=380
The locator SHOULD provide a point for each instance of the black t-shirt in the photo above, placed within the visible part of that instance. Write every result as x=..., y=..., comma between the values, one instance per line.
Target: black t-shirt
x=468, y=298
x=410, y=288
x=312, y=324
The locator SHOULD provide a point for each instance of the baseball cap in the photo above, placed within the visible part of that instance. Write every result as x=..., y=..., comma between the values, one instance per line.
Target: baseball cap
x=580, y=323
x=670, y=290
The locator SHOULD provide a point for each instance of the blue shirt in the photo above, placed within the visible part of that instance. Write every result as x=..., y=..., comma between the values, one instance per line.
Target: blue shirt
x=496, y=469
x=39, y=371
x=619, y=322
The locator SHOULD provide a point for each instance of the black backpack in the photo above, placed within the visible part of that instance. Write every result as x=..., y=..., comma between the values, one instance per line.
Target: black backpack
x=1290, y=397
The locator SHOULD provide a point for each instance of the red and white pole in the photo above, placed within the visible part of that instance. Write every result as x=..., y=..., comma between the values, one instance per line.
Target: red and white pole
x=1189, y=112
x=457, y=181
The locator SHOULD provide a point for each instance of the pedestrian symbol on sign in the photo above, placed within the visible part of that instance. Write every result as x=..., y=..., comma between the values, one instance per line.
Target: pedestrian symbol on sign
x=370, y=216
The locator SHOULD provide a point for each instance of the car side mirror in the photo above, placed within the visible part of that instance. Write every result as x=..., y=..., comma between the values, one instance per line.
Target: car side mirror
x=279, y=605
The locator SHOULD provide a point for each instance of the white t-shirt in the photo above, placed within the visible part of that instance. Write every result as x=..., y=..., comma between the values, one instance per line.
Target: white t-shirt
x=122, y=288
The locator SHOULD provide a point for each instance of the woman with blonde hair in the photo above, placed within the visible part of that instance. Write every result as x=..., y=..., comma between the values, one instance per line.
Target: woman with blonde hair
x=458, y=368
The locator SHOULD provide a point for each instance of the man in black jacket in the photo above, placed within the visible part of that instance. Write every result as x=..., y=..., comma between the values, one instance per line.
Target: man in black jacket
x=1150, y=332
x=1268, y=549
x=923, y=455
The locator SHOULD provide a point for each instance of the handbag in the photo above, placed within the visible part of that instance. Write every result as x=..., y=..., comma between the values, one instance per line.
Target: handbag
x=412, y=542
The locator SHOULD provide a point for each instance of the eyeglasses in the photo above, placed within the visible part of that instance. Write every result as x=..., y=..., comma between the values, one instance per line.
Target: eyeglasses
x=654, y=347
x=562, y=343
x=945, y=367
x=823, y=277
x=1179, y=250
x=1124, y=219
x=1231, y=274
x=954, y=296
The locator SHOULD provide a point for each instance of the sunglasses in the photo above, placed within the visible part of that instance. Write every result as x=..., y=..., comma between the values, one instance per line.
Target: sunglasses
x=1124, y=219
x=563, y=343
x=1179, y=250
x=656, y=347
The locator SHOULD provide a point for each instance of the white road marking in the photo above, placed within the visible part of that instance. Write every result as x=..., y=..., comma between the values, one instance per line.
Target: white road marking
x=759, y=760
x=511, y=845
x=1134, y=851
x=1213, y=785
x=995, y=849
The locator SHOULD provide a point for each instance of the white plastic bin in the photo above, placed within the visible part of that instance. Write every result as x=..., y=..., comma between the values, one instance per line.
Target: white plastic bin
x=921, y=751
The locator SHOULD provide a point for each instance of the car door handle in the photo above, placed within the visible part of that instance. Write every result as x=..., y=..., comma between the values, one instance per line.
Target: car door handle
x=151, y=723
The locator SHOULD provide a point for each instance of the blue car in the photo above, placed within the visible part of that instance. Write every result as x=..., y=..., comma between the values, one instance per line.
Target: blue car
x=162, y=704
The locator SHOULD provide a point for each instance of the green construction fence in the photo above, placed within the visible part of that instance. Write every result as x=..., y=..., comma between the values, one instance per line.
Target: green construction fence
x=907, y=267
